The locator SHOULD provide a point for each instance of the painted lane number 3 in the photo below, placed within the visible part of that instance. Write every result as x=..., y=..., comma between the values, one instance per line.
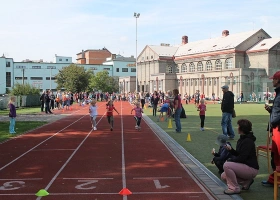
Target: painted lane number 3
x=12, y=185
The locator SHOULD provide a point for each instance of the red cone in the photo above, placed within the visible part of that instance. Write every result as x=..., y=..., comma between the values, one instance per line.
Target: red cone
x=125, y=191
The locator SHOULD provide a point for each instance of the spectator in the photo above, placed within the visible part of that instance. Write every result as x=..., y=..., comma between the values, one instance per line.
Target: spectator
x=177, y=110
x=12, y=115
x=243, y=167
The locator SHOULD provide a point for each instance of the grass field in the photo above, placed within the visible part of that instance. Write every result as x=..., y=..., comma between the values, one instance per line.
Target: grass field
x=202, y=142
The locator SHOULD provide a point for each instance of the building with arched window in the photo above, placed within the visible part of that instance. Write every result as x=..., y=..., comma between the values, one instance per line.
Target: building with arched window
x=243, y=61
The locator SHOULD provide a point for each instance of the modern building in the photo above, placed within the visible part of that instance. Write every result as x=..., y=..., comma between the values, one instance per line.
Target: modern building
x=42, y=74
x=243, y=61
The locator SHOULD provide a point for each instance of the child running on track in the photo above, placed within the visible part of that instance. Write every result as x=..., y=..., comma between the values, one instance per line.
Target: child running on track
x=110, y=108
x=138, y=115
x=202, y=108
x=93, y=113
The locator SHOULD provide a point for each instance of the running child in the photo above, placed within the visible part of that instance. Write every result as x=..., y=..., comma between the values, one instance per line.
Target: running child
x=138, y=114
x=93, y=114
x=110, y=108
x=201, y=108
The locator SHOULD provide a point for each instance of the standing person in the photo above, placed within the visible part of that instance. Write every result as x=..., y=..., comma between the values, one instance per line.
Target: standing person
x=227, y=107
x=12, y=114
x=202, y=108
x=138, y=114
x=274, y=111
x=177, y=110
x=154, y=102
x=142, y=99
x=42, y=99
x=110, y=108
x=47, y=102
x=93, y=113
x=243, y=167
x=52, y=97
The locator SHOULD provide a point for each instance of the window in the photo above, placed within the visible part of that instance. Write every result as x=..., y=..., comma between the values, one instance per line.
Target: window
x=184, y=68
x=192, y=67
x=218, y=65
x=152, y=57
x=36, y=67
x=169, y=69
x=229, y=63
x=66, y=59
x=106, y=69
x=20, y=78
x=177, y=70
x=199, y=66
x=51, y=67
x=117, y=69
x=48, y=78
x=60, y=59
x=210, y=81
x=124, y=69
x=8, y=79
x=8, y=64
x=36, y=78
x=133, y=69
x=208, y=65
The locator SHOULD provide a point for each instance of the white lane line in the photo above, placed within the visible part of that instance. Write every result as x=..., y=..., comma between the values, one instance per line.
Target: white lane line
x=123, y=156
x=20, y=179
x=54, y=150
x=158, y=178
x=39, y=144
x=88, y=178
x=67, y=161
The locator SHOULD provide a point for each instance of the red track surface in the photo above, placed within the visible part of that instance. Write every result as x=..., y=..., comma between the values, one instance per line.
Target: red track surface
x=71, y=161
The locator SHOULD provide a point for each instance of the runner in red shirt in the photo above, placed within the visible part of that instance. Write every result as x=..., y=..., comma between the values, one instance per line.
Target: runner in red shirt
x=110, y=108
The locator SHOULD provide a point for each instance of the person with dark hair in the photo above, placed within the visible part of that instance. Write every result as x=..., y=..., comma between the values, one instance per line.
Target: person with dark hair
x=274, y=111
x=243, y=167
x=177, y=110
x=154, y=102
x=227, y=107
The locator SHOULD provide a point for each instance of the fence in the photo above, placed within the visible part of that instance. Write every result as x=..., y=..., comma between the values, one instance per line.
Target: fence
x=21, y=101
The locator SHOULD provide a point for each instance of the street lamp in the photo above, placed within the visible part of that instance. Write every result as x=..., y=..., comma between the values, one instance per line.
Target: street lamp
x=136, y=15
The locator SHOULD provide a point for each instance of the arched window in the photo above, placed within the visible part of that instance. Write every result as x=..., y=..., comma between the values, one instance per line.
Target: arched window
x=218, y=65
x=229, y=64
x=169, y=69
x=199, y=66
x=183, y=68
x=177, y=70
x=192, y=67
x=208, y=65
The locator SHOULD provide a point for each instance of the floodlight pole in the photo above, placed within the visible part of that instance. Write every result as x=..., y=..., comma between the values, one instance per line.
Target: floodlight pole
x=136, y=15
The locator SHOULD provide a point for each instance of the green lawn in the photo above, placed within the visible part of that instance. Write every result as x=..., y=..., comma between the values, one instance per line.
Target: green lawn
x=28, y=110
x=21, y=127
x=202, y=142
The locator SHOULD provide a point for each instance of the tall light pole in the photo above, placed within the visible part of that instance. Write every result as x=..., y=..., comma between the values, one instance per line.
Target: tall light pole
x=136, y=15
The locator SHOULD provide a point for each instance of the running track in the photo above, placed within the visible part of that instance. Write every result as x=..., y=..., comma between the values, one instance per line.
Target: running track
x=71, y=161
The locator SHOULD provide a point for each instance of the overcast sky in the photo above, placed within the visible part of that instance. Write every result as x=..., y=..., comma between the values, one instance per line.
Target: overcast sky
x=40, y=29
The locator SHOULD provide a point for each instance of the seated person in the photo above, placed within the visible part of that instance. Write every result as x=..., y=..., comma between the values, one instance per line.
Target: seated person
x=223, y=154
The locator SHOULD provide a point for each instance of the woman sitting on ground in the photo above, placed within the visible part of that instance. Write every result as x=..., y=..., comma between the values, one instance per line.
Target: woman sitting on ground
x=243, y=167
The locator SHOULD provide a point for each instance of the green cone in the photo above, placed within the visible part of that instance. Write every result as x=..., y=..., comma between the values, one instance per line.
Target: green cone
x=42, y=193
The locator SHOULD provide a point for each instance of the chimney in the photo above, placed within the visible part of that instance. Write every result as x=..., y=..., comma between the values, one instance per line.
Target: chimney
x=225, y=33
x=184, y=39
x=113, y=56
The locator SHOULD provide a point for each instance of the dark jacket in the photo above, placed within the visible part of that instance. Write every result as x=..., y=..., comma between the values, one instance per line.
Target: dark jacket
x=47, y=98
x=154, y=100
x=223, y=154
x=227, y=104
x=245, y=151
x=12, y=112
x=275, y=111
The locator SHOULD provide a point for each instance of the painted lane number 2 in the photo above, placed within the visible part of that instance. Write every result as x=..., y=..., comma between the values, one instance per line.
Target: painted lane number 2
x=86, y=184
x=12, y=185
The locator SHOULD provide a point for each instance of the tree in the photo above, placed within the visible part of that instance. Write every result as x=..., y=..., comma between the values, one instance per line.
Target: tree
x=102, y=81
x=73, y=78
x=24, y=89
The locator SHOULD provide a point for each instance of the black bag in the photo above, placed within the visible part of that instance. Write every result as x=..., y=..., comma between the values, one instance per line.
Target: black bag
x=233, y=114
x=183, y=113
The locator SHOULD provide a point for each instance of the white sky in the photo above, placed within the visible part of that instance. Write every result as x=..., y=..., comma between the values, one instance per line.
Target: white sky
x=40, y=29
